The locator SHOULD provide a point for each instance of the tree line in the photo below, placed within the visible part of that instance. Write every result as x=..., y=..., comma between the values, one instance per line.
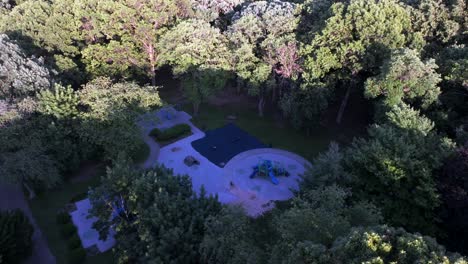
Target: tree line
x=74, y=75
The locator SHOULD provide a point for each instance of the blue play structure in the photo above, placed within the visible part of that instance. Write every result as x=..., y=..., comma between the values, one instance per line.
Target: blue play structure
x=265, y=168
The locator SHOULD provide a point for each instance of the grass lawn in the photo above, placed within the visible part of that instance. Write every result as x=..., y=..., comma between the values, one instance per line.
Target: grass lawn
x=46, y=206
x=267, y=129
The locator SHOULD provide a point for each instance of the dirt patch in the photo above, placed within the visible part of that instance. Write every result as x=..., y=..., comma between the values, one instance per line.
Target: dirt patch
x=231, y=97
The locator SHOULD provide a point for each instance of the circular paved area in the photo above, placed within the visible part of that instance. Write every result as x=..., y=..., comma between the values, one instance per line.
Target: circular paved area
x=255, y=194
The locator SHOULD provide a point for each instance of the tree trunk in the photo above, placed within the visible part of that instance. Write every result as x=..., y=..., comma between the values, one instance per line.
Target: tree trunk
x=196, y=107
x=31, y=192
x=239, y=83
x=261, y=104
x=273, y=94
x=153, y=75
x=344, y=103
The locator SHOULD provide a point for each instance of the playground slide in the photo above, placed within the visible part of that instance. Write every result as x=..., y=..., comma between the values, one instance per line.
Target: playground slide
x=255, y=171
x=273, y=178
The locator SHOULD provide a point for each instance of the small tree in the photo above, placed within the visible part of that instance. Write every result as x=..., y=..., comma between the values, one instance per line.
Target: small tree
x=15, y=236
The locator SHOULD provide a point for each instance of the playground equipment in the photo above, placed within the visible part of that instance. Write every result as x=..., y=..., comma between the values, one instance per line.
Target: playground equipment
x=266, y=167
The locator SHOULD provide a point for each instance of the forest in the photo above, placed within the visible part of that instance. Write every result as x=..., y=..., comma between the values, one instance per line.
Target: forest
x=75, y=75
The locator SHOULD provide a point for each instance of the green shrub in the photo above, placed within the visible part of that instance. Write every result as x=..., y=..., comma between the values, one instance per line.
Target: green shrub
x=63, y=218
x=171, y=133
x=74, y=242
x=79, y=197
x=141, y=153
x=76, y=256
x=68, y=230
x=15, y=236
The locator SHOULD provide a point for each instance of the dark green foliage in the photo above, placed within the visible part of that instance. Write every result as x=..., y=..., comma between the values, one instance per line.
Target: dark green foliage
x=453, y=188
x=318, y=216
x=74, y=242
x=141, y=153
x=394, y=168
x=15, y=236
x=382, y=244
x=63, y=218
x=76, y=256
x=79, y=197
x=162, y=218
x=171, y=133
x=229, y=238
x=68, y=230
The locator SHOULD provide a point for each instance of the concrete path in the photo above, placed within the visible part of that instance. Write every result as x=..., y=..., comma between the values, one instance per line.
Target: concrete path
x=232, y=183
x=12, y=197
x=156, y=119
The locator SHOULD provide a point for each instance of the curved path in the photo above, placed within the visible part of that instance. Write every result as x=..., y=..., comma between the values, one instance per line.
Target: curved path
x=236, y=159
x=12, y=197
x=232, y=183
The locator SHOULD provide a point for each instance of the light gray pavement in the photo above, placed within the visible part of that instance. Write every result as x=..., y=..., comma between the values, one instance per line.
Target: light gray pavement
x=12, y=197
x=253, y=194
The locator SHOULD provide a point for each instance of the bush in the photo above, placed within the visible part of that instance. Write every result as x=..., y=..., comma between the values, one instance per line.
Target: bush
x=76, y=256
x=171, y=133
x=15, y=236
x=141, y=153
x=68, y=230
x=63, y=218
x=74, y=242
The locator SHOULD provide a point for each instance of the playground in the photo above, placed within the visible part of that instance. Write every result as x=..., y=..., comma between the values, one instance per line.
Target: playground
x=227, y=162
x=232, y=164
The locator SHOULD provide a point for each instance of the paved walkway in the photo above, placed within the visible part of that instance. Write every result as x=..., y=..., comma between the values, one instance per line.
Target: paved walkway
x=12, y=197
x=156, y=119
x=232, y=183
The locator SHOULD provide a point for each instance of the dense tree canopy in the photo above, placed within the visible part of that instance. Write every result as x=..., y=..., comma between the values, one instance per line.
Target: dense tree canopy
x=405, y=78
x=74, y=79
x=394, y=168
x=384, y=244
x=20, y=75
x=158, y=216
x=199, y=54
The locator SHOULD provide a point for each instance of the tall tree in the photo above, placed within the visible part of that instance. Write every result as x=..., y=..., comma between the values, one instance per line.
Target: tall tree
x=394, y=168
x=405, y=78
x=20, y=75
x=262, y=36
x=157, y=216
x=123, y=35
x=356, y=39
x=453, y=188
x=199, y=54
x=229, y=238
x=316, y=219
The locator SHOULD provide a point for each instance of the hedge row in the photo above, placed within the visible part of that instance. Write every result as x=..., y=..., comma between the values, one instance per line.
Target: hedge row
x=171, y=133
x=76, y=253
